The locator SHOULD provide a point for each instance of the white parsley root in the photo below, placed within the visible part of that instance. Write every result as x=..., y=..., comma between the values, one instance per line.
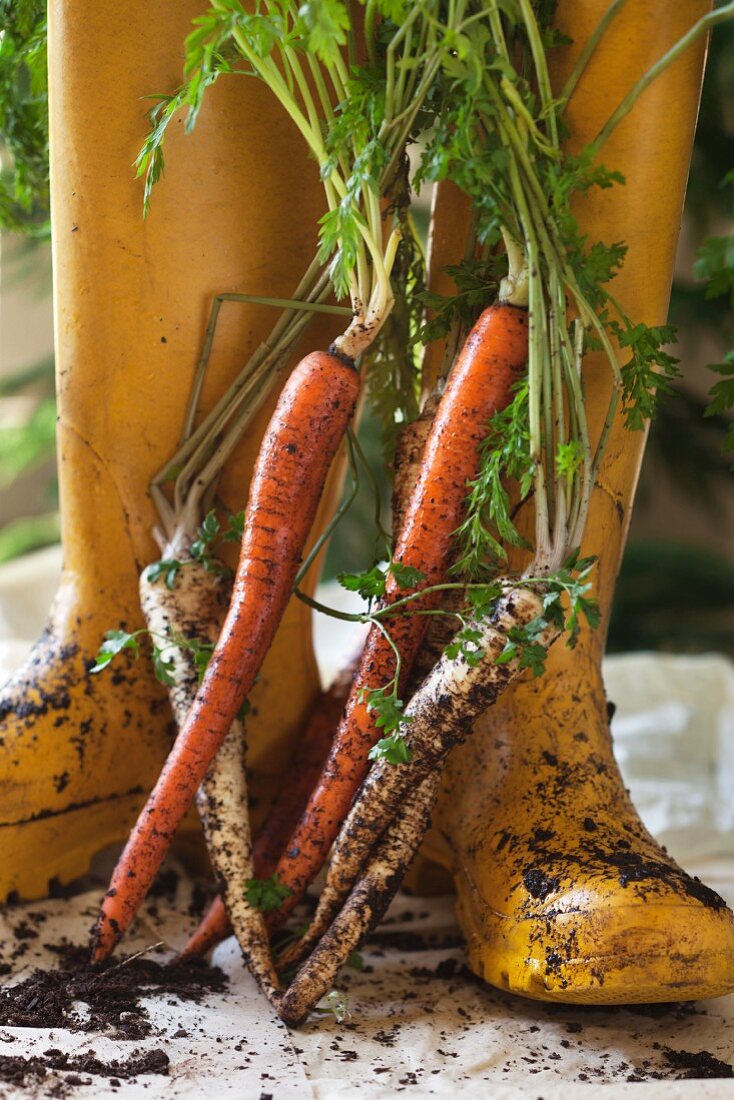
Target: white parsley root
x=184, y=620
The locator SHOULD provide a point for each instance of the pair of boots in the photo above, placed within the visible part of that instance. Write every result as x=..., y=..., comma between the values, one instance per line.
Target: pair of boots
x=561, y=892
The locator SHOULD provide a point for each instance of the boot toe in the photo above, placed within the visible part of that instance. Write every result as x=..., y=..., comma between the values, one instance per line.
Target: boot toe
x=603, y=942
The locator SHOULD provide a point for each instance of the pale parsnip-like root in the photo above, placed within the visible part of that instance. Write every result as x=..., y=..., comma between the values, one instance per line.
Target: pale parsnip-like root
x=364, y=907
x=296, y=784
x=441, y=714
x=192, y=611
x=222, y=804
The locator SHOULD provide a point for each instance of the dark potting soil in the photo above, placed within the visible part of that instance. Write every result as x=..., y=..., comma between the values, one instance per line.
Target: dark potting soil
x=111, y=992
x=696, y=1066
x=104, y=999
x=16, y=1070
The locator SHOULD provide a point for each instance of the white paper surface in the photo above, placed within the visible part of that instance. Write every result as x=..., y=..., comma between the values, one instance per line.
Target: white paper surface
x=234, y=1038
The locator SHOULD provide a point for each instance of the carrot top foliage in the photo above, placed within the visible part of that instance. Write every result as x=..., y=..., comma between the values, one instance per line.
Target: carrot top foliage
x=471, y=81
x=498, y=134
x=356, y=97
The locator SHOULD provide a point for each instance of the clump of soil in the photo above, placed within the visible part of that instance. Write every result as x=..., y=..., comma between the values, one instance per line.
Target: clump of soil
x=16, y=1070
x=696, y=1066
x=106, y=998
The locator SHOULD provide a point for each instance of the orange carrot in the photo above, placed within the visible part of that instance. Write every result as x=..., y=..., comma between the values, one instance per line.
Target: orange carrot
x=298, y=781
x=301, y=440
x=479, y=385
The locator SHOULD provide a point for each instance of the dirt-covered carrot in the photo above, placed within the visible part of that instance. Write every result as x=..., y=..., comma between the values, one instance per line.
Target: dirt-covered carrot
x=439, y=715
x=364, y=908
x=480, y=384
x=410, y=445
x=440, y=631
x=302, y=438
x=298, y=781
x=185, y=619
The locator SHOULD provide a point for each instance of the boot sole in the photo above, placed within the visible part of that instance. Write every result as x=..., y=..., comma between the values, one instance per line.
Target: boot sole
x=687, y=971
x=53, y=850
x=623, y=980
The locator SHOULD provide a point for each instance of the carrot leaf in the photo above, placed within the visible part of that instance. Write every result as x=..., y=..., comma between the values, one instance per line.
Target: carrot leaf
x=466, y=644
x=650, y=370
x=370, y=584
x=573, y=583
x=386, y=706
x=323, y=24
x=163, y=667
x=201, y=548
x=114, y=642
x=569, y=457
x=523, y=644
x=266, y=894
x=201, y=653
x=477, y=282
x=505, y=453
x=482, y=598
x=407, y=576
x=235, y=527
x=166, y=570
x=206, y=534
x=393, y=750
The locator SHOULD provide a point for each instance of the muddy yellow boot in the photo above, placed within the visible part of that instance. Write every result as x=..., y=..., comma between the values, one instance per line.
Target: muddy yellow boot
x=78, y=753
x=562, y=893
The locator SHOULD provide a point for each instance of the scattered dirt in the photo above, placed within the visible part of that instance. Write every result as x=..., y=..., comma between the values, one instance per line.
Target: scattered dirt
x=19, y=1071
x=104, y=998
x=110, y=1001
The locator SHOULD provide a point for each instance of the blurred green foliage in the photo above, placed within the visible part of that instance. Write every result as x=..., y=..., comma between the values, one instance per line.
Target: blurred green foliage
x=25, y=447
x=674, y=597
x=24, y=202
x=24, y=209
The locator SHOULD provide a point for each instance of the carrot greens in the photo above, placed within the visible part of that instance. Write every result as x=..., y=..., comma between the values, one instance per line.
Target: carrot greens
x=265, y=894
x=356, y=118
x=498, y=135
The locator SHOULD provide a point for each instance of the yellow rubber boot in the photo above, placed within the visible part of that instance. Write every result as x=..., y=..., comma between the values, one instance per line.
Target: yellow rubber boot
x=562, y=893
x=236, y=212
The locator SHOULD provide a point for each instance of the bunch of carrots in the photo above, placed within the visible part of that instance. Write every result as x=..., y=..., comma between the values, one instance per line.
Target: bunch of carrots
x=466, y=84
